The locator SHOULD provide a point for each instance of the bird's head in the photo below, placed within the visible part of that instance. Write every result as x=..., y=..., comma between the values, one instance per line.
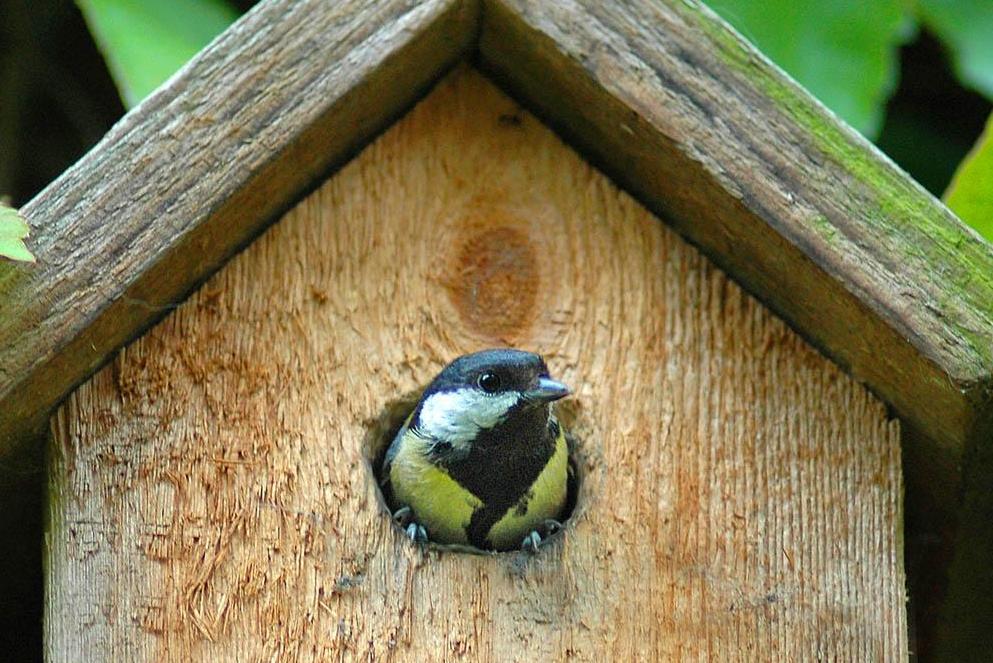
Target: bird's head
x=481, y=391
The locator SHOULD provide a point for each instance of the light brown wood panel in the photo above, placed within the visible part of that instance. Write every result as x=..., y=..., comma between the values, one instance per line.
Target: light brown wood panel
x=210, y=496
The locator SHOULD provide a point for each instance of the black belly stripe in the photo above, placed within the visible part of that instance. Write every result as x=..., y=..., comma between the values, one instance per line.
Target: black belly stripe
x=501, y=467
x=483, y=519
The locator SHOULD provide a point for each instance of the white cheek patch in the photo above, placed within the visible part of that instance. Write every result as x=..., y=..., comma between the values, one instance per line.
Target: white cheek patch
x=456, y=416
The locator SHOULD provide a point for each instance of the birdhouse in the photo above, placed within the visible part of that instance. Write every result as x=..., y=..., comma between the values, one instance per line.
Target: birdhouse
x=768, y=328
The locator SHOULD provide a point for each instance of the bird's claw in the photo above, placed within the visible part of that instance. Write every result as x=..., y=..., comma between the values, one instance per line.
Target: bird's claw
x=531, y=542
x=416, y=533
x=536, y=537
x=404, y=517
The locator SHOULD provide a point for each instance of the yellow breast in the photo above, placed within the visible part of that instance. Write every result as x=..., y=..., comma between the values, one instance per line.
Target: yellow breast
x=439, y=502
x=445, y=508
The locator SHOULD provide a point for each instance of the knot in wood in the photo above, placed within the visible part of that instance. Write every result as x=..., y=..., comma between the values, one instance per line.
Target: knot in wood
x=495, y=282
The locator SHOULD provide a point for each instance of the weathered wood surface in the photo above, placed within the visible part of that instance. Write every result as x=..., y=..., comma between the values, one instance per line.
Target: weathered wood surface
x=194, y=172
x=210, y=500
x=798, y=207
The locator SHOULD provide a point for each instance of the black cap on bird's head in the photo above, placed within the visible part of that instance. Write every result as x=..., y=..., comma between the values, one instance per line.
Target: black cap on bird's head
x=478, y=391
x=501, y=370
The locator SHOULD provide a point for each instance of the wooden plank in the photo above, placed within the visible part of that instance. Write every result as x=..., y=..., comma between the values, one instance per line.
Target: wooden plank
x=193, y=173
x=211, y=499
x=804, y=212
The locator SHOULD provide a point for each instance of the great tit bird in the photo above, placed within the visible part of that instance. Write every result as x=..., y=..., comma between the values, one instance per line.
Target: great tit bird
x=482, y=460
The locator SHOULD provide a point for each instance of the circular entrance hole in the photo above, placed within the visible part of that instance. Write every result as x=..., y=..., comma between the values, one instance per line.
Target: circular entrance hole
x=381, y=431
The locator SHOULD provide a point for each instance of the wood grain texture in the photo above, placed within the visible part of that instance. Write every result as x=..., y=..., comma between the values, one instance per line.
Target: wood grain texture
x=210, y=499
x=790, y=201
x=195, y=171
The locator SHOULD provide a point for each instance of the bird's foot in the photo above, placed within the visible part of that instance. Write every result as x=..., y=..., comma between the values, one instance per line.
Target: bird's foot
x=536, y=538
x=416, y=533
x=531, y=542
x=404, y=517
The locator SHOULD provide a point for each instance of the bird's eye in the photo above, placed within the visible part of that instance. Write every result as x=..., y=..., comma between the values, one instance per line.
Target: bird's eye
x=489, y=382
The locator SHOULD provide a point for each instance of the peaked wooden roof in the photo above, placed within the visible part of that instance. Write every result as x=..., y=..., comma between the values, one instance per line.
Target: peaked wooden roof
x=664, y=96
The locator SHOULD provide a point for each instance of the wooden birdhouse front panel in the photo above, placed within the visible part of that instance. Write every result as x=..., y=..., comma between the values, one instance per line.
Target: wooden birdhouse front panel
x=211, y=490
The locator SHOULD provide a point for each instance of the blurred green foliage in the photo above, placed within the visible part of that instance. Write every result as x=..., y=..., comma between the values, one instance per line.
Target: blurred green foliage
x=13, y=229
x=932, y=121
x=966, y=27
x=146, y=41
x=970, y=195
x=843, y=51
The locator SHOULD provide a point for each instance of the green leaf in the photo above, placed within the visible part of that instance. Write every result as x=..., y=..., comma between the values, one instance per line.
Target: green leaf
x=970, y=195
x=145, y=41
x=843, y=51
x=13, y=229
x=966, y=27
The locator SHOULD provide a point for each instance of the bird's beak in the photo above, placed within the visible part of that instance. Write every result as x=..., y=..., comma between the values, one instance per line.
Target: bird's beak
x=548, y=390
